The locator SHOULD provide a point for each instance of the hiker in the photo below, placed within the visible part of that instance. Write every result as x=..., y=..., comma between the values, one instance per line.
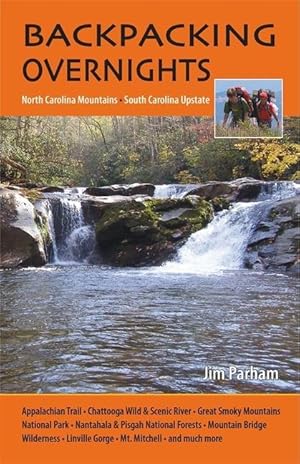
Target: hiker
x=266, y=111
x=238, y=106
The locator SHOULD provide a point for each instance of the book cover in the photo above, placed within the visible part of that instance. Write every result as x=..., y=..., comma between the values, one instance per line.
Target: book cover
x=149, y=232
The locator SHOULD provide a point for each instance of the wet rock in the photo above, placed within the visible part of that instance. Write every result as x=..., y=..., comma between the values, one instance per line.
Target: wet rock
x=253, y=261
x=284, y=259
x=267, y=251
x=22, y=241
x=105, y=191
x=141, y=189
x=124, y=190
x=244, y=189
x=284, y=219
x=52, y=189
x=276, y=239
x=220, y=203
x=259, y=265
x=295, y=269
x=212, y=190
x=137, y=234
x=261, y=236
x=173, y=213
x=248, y=191
x=29, y=185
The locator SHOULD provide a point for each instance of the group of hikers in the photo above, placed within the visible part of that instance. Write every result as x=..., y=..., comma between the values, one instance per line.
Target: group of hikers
x=258, y=108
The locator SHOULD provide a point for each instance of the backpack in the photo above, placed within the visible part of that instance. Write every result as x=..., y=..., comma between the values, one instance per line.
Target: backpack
x=269, y=92
x=256, y=100
x=266, y=109
x=242, y=93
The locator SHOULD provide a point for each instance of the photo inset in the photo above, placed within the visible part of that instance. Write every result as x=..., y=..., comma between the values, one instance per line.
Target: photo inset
x=248, y=108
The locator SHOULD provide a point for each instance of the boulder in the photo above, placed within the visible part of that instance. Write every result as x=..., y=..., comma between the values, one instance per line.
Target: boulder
x=137, y=234
x=52, y=189
x=105, y=191
x=22, y=242
x=29, y=185
x=94, y=206
x=244, y=189
x=249, y=191
x=141, y=189
x=275, y=242
x=212, y=190
x=124, y=190
x=264, y=235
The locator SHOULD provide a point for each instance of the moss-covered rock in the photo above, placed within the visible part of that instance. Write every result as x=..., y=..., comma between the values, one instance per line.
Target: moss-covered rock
x=118, y=221
x=43, y=226
x=136, y=234
x=220, y=203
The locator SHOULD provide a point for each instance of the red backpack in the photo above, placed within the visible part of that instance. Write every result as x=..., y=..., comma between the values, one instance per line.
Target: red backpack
x=266, y=112
x=242, y=92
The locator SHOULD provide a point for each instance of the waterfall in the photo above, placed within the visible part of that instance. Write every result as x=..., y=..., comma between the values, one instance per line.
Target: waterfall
x=72, y=239
x=219, y=246
x=172, y=190
x=222, y=244
x=278, y=191
x=74, y=190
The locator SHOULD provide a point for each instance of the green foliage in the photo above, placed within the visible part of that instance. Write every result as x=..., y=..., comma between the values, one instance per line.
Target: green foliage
x=40, y=147
x=218, y=160
x=95, y=151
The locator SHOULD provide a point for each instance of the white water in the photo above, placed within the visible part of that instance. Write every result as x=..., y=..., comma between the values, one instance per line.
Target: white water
x=172, y=190
x=222, y=244
x=279, y=191
x=79, y=244
x=72, y=240
x=71, y=217
x=75, y=190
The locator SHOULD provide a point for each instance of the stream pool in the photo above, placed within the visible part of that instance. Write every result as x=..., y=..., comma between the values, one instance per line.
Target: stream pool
x=83, y=328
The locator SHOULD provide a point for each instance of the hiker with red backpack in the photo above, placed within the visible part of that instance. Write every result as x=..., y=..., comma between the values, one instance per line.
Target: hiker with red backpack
x=265, y=111
x=238, y=106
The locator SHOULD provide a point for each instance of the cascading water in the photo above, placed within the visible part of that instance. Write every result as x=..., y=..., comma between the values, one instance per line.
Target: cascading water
x=74, y=190
x=222, y=244
x=172, y=190
x=72, y=239
x=278, y=191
